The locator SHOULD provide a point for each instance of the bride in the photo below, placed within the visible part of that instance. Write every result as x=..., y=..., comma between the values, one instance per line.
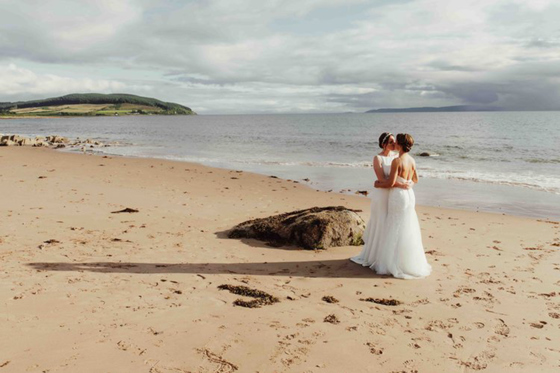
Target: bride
x=379, y=200
x=401, y=252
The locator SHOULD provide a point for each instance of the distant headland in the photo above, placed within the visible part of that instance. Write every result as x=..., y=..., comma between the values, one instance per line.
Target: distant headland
x=92, y=104
x=437, y=109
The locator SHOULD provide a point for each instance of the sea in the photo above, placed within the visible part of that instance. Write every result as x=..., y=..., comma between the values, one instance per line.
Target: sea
x=499, y=162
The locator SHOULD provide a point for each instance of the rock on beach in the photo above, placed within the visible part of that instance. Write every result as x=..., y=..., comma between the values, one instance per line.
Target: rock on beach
x=314, y=228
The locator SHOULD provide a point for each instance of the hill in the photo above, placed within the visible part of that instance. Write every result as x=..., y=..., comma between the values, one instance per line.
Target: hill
x=93, y=104
x=437, y=109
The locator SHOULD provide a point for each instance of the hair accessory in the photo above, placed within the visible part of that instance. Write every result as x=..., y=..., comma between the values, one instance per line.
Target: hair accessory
x=389, y=134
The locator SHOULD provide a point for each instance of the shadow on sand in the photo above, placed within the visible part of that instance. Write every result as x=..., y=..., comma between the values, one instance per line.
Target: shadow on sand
x=336, y=268
x=331, y=268
x=253, y=242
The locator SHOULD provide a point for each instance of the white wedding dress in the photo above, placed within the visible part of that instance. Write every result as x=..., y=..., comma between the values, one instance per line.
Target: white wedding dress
x=401, y=252
x=376, y=224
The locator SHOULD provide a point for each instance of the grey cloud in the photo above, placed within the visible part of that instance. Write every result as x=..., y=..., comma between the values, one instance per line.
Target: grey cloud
x=532, y=95
x=397, y=98
x=187, y=79
x=446, y=66
x=355, y=101
x=542, y=43
x=514, y=95
x=473, y=93
x=215, y=54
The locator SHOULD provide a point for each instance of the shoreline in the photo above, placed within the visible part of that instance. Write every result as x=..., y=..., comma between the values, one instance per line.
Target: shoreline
x=477, y=189
x=433, y=183
x=436, y=183
x=141, y=289
x=27, y=117
x=311, y=184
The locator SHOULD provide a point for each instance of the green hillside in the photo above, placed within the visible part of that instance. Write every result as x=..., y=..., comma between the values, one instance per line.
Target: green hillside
x=93, y=104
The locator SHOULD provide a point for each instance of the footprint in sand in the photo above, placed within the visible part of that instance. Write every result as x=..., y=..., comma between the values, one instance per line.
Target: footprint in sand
x=223, y=366
x=373, y=349
x=157, y=367
x=538, y=325
x=501, y=328
x=463, y=290
x=126, y=346
x=437, y=324
x=479, y=362
x=489, y=298
x=288, y=353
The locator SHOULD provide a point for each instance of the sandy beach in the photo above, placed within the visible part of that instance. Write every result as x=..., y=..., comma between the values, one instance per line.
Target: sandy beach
x=84, y=289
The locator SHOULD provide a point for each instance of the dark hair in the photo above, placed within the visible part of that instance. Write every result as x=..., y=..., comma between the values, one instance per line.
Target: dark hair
x=405, y=141
x=384, y=138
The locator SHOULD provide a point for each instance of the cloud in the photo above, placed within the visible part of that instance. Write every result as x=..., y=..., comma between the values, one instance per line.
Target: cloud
x=20, y=82
x=304, y=55
x=64, y=30
x=543, y=43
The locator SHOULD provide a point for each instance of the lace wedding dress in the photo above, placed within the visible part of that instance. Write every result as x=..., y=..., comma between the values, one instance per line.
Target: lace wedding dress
x=401, y=252
x=376, y=224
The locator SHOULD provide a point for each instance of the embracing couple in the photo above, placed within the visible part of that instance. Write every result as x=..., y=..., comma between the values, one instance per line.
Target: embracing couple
x=393, y=242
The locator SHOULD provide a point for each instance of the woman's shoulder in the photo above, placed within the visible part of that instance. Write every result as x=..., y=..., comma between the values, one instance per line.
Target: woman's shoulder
x=379, y=158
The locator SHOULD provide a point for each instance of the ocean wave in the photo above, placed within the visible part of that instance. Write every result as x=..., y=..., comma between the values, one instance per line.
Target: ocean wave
x=141, y=153
x=542, y=183
x=363, y=164
x=541, y=160
x=475, y=158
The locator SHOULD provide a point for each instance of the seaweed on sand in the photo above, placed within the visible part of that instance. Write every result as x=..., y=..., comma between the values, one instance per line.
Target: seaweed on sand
x=385, y=302
x=262, y=298
x=332, y=319
x=330, y=299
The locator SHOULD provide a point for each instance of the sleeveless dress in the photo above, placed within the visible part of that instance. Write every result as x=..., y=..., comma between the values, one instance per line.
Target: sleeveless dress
x=376, y=224
x=402, y=253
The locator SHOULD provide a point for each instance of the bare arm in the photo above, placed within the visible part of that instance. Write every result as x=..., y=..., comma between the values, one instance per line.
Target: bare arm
x=415, y=175
x=398, y=184
x=378, y=168
x=392, y=180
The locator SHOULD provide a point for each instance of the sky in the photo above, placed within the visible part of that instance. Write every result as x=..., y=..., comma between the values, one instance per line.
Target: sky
x=273, y=56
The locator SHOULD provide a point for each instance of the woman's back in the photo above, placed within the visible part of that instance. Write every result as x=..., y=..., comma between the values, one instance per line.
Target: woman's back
x=407, y=169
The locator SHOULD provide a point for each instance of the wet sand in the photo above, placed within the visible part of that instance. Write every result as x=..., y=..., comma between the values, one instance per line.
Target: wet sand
x=84, y=289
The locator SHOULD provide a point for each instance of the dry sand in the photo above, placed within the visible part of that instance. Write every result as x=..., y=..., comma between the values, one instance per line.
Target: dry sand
x=85, y=290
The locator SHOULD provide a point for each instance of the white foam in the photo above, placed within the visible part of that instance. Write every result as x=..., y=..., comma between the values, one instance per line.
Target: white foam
x=548, y=184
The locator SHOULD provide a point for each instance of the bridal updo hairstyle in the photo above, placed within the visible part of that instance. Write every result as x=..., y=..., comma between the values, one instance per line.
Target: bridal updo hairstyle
x=405, y=141
x=384, y=139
